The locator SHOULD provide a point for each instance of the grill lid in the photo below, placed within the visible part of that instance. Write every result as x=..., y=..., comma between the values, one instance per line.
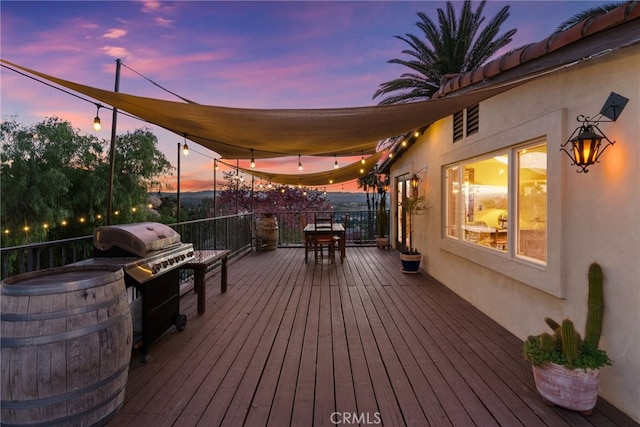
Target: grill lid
x=139, y=238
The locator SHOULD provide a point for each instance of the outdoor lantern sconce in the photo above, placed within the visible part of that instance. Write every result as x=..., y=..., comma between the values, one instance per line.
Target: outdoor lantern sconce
x=586, y=147
x=414, y=182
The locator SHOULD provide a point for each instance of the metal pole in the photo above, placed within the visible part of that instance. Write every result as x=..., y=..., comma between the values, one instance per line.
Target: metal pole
x=253, y=178
x=178, y=197
x=112, y=153
x=237, y=184
x=215, y=169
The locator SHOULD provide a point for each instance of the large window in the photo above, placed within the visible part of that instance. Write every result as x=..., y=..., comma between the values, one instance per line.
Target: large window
x=479, y=201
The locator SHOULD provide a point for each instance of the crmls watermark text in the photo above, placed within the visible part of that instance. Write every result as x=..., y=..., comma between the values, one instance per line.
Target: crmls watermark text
x=364, y=418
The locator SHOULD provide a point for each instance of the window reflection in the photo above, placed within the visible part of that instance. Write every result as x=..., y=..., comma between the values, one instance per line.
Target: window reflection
x=485, y=198
x=532, y=202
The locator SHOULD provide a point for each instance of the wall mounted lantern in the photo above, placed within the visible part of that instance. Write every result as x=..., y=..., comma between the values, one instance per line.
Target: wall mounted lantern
x=414, y=182
x=587, y=144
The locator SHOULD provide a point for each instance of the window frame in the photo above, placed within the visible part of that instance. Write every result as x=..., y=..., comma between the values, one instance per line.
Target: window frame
x=551, y=127
x=512, y=188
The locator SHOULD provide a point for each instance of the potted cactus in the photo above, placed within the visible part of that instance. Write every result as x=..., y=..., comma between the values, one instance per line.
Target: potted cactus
x=566, y=368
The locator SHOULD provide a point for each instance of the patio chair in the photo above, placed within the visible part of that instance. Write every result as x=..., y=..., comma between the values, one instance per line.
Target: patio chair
x=323, y=235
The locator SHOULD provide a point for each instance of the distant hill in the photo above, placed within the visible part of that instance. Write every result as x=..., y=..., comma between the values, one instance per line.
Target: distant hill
x=340, y=200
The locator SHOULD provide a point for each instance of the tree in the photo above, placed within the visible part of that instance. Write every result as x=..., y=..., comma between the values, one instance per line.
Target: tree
x=54, y=180
x=455, y=45
x=589, y=13
x=237, y=197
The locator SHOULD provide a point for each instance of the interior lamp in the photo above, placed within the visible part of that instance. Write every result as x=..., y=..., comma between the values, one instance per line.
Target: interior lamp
x=96, y=122
x=587, y=140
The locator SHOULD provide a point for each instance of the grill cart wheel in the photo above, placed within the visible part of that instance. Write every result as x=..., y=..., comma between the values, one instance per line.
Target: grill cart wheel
x=181, y=322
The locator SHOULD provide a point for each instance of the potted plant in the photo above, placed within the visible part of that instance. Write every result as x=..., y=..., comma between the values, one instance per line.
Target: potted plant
x=382, y=225
x=411, y=259
x=566, y=368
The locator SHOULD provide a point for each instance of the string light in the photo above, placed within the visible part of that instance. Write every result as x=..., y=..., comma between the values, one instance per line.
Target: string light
x=185, y=149
x=96, y=122
x=335, y=164
x=253, y=161
x=299, y=163
x=362, y=161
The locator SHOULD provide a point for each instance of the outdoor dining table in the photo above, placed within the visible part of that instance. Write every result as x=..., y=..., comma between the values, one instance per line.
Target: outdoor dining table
x=336, y=229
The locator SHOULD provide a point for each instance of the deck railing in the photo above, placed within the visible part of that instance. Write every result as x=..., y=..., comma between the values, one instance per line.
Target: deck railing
x=233, y=232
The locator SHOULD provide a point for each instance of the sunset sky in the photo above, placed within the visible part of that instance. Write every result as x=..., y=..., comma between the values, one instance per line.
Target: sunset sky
x=233, y=54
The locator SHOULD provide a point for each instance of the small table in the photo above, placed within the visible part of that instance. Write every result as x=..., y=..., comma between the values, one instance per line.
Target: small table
x=201, y=262
x=336, y=229
x=497, y=236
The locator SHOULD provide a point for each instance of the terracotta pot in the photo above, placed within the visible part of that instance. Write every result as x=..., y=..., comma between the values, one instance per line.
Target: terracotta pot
x=574, y=389
x=382, y=242
x=410, y=262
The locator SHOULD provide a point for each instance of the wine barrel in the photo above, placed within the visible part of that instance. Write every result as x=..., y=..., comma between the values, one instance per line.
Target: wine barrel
x=66, y=338
x=268, y=228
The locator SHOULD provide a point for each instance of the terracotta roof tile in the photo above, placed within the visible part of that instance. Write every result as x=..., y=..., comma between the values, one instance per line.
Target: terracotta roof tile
x=567, y=37
x=492, y=69
x=466, y=79
x=635, y=10
x=477, y=75
x=608, y=20
x=534, y=50
x=512, y=60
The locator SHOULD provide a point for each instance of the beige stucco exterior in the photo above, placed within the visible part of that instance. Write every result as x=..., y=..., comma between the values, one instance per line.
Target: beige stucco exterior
x=591, y=217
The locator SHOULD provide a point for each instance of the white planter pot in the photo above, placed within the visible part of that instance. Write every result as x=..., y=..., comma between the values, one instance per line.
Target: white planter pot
x=574, y=389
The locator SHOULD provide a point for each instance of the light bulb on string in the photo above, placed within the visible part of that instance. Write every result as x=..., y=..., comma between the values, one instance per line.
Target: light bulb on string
x=96, y=122
x=185, y=148
x=253, y=161
x=299, y=163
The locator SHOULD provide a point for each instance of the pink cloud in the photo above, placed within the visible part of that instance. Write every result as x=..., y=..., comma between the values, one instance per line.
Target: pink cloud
x=115, y=33
x=150, y=6
x=164, y=22
x=116, y=52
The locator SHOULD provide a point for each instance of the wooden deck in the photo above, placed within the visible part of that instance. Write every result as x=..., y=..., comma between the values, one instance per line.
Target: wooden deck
x=291, y=343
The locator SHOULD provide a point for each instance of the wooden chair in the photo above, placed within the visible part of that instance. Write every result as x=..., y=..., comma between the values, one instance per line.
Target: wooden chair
x=323, y=235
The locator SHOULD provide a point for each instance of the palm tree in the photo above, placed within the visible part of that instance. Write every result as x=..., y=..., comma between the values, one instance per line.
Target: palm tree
x=455, y=45
x=589, y=13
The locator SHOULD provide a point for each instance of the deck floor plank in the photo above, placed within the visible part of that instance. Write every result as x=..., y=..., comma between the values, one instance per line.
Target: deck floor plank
x=357, y=342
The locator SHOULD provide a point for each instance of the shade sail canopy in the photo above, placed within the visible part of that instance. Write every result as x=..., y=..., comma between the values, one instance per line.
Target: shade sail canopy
x=335, y=176
x=234, y=132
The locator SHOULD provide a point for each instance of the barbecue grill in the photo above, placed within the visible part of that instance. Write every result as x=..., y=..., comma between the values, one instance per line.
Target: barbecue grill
x=150, y=255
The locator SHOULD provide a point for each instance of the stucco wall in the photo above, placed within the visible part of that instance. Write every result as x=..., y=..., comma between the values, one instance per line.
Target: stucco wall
x=592, y=217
